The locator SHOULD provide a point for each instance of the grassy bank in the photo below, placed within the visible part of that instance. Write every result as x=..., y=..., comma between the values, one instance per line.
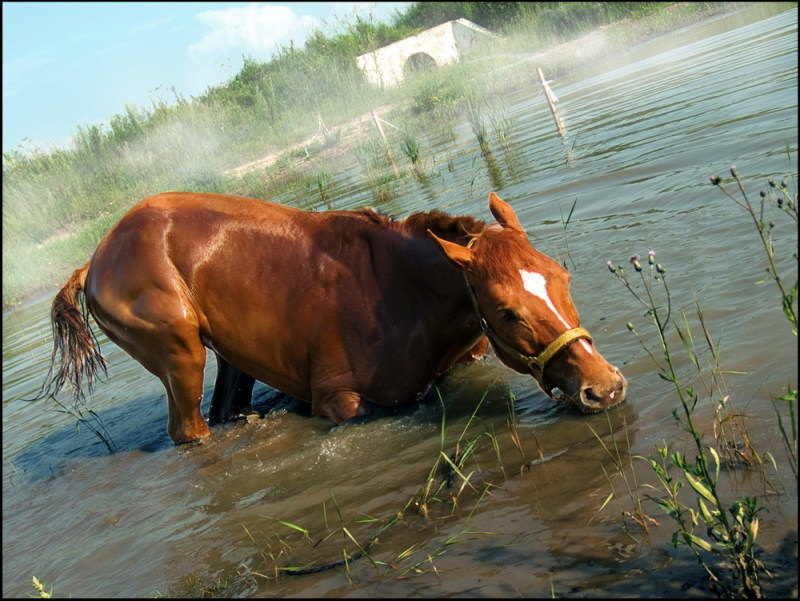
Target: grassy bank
x=59, y=202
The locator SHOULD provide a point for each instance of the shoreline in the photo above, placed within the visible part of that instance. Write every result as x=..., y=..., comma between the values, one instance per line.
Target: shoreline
x=562, y=59
x=594, y=41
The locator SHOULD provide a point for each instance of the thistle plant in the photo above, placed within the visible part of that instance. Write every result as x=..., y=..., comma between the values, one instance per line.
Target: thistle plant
x=779, y=197
x=730, y=530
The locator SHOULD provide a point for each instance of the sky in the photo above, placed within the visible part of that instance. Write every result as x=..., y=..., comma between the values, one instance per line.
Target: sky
x=67, y=64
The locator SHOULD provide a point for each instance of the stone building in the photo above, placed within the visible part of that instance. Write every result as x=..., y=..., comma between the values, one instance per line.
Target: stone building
x=440, y=45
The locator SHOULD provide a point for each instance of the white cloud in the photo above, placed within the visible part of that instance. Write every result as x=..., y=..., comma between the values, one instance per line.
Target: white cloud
x=256, y=29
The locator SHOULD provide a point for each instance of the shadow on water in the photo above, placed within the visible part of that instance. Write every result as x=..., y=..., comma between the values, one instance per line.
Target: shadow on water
x=141, y=424
x=137, y=425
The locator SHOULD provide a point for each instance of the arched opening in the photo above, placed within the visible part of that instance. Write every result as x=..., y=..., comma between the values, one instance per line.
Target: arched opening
x=418, y=61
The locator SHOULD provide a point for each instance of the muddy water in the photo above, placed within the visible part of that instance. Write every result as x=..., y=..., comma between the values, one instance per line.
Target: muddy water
x=645, y=131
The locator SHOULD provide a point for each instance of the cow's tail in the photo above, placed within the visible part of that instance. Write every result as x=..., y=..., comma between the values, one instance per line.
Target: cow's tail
x=73, y=340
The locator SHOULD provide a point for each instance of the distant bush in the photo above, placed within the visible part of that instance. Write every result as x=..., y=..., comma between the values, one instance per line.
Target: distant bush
x=440, y=89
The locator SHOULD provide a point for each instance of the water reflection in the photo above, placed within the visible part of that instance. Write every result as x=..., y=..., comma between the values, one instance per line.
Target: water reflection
x=495, y=175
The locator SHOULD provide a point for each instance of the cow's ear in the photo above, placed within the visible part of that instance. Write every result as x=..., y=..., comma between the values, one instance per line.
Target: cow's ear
x=504, y=214
x=460, y=256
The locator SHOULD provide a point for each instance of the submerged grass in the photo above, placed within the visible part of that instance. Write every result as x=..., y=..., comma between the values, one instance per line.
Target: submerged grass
x=476, y=121
x=624, y=469
x=454, y=487
x=376, y=166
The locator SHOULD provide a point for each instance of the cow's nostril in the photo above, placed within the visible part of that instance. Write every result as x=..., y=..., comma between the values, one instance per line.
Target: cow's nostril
x=590, y=399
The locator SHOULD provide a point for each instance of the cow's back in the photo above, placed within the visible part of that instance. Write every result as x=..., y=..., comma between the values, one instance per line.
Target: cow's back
x=302, y=301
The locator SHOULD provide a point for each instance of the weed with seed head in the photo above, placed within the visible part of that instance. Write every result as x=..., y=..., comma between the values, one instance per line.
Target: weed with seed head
x=780, y=197
x=730, y=530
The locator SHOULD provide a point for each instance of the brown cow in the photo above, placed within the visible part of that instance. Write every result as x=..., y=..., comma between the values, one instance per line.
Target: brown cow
x=336, y=308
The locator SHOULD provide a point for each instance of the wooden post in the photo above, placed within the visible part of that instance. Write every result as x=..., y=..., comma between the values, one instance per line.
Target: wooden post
x=322, y=127
x=385, y=143
x=551, y=100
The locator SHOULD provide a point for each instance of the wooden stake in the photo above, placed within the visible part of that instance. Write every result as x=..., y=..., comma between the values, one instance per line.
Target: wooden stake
x=385, y=143
x=322, y=127
x=551, y=100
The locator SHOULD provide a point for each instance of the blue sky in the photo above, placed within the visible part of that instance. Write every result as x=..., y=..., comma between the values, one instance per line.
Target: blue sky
x=67, y=64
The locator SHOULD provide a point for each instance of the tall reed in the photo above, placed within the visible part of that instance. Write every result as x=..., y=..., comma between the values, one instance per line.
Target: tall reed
x=476, y=121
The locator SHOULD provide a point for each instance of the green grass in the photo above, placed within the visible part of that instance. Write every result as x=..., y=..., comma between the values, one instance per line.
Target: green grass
x=452, y=489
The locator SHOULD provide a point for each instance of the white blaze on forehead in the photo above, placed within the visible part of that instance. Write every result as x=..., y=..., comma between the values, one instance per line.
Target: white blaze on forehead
x=536, y=284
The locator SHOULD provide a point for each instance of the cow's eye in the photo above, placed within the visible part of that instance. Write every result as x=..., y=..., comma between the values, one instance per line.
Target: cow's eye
x=508, y=315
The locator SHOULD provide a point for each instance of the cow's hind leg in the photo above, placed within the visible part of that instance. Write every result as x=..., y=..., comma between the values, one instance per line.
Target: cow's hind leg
x=178, y=360
x=233, y=392
x=183, y=381
x=160, y=331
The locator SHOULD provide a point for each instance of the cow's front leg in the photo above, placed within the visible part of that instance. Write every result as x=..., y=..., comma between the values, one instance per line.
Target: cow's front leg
x=475, y=353
x=339, y=405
